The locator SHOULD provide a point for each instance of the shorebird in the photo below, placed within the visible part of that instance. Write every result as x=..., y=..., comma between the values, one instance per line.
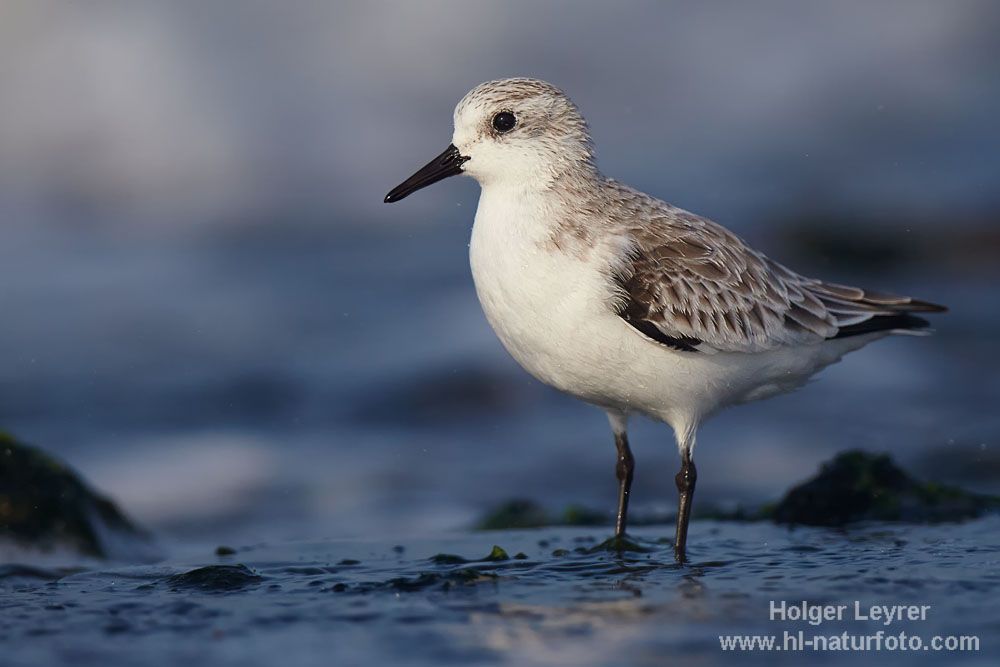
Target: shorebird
x=625, y=301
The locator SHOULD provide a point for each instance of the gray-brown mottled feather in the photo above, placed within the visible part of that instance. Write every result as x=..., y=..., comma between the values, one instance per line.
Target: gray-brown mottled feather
x=699, y=286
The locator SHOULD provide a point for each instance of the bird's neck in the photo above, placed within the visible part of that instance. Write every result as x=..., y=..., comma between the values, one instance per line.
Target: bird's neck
x=516, y=218
x=539, y=179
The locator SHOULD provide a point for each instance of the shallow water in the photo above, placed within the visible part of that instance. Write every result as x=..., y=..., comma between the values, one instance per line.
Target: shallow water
x=561, y=598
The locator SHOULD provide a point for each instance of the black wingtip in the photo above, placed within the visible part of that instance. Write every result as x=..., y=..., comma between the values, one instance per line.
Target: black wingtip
x=682, y=343
x=883, y=323
x=925, y=307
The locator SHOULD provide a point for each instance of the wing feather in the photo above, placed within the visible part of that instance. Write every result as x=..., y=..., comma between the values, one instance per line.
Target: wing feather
x=693, y=281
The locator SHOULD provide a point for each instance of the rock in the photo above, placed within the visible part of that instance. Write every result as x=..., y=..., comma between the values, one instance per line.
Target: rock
x=216, y=578
x=44, y=505
x=858, y=486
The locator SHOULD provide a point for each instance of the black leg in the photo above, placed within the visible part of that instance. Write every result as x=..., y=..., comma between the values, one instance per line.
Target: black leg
x=624, y=468
x=685, y=479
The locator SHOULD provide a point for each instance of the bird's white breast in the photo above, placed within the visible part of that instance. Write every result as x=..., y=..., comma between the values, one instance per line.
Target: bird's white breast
x=550, y=308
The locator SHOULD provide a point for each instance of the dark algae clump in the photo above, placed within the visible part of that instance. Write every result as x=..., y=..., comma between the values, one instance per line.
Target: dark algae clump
x=216, y=578
x=617, y=545
x=44, y=504
x=447, y=559
x=496, y=554
x=441, y=580
x=858, y=486
x=516, y=513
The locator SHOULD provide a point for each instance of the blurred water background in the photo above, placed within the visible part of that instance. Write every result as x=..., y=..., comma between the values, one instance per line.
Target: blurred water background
x=208, y=311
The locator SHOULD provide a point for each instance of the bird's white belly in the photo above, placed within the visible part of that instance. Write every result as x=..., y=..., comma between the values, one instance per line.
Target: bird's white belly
x=544, y=313
x=553, y=312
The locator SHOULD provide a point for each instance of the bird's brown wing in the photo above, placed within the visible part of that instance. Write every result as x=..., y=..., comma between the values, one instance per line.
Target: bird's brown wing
x=692, y=285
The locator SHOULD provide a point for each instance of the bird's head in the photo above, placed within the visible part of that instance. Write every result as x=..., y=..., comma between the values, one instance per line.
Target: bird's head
x=517, y=132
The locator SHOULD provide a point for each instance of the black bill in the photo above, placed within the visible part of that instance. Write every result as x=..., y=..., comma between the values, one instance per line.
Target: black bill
x=447, y=164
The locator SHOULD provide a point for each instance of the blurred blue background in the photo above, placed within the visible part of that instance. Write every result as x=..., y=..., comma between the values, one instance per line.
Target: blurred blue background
x=209, y=312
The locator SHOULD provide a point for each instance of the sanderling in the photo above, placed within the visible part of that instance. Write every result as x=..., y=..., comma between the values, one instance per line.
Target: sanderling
x=624, y=301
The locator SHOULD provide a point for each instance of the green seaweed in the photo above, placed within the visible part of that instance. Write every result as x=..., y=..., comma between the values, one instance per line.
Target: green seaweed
x=859, y=486
x=497, y=554
x=618, y=544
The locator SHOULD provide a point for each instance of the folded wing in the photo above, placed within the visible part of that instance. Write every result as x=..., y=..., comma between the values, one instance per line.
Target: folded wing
x=694, y=286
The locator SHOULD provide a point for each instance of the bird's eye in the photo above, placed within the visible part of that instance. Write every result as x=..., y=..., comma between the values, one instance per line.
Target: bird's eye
x=504, y=122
